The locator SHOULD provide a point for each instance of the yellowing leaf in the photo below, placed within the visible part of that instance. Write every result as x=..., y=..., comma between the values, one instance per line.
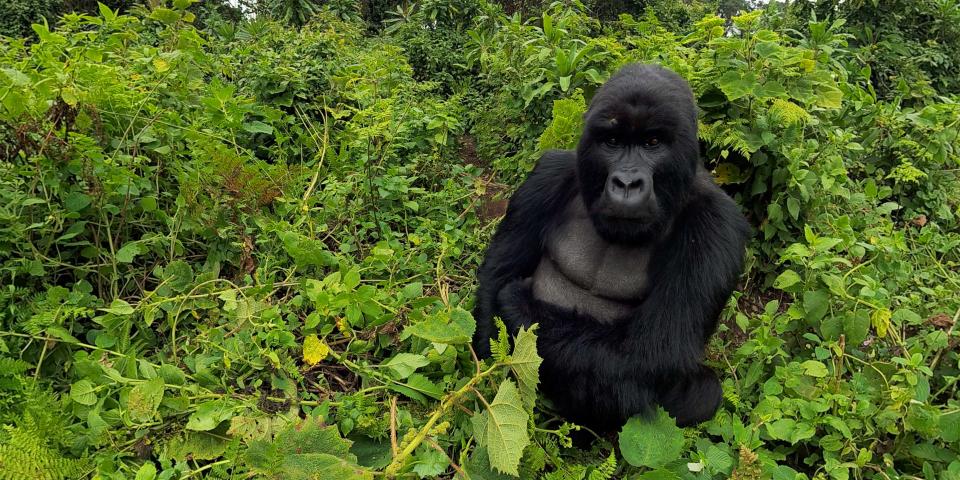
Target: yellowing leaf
x=881, y=321
x=314, y=350
x=161, y=65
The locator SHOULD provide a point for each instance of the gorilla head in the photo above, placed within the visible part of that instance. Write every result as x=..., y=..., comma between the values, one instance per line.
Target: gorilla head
x=638, y=154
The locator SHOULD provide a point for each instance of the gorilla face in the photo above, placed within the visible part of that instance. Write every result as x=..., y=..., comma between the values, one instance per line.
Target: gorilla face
x=637, y=156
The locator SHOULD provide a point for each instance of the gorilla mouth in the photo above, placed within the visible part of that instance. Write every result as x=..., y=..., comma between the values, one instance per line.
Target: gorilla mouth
x=642, y=227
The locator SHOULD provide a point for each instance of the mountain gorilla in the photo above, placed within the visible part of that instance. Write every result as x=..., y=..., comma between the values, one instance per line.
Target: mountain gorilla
x=624, y=252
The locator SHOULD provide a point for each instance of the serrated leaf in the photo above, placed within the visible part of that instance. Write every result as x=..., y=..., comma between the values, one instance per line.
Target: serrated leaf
x=950, y=426
x=314, y=350
x=525, y=363
x=306, y=451
x=144, y=399
x=736, y=84
x=82, y=392
x=506, y=429
x=404, y=364
x=456, y=330
x=651, y=443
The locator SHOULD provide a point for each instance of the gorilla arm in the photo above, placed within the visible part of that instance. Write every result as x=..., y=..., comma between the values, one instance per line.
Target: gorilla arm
x=694, y=272
x=517, y=246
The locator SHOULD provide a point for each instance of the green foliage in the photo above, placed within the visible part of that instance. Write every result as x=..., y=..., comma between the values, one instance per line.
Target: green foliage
x=235, y=248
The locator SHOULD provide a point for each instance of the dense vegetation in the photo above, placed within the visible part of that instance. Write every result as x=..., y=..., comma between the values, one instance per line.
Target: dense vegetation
x=238, y=247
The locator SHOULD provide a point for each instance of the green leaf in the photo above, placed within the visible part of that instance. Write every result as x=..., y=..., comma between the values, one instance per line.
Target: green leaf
x=829, y=96
x=82, y=392
x=257, y=126
x=815, y=304
x=208, y=415
x=429, y=463
x=412, y=290
x=786, y=280
x=950, y=427
x=736, y=84
x=658, y=474
x=651, y=443
x=306, y=451
x=793, y=207
x=147, y=471
x=781, y=429
x=120, y=307
x=144, y=399
x=525, y=363
x=815, y=369
x=128, y=252
x=404, y=364
x=455, y=330
x=18, y=78
x=506, y=429
x=76, y=201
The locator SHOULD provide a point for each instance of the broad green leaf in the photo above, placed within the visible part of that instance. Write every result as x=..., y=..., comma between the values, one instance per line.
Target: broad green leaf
x=307, y=451
x=525, y=363
x=736, y=84
x=815, y=369
x=120, y=307
x=950, y=426
x=781, y=429
x=428, y=462
x=829, y=96
x=651, y=443
x=815, y=305
x=208, y=415
x=257, y=126
x=18, y=78
x=144, y=399
x=437, y=329
x=147, y=471
x=314, y=350
x=76, y=201
x=82, y=392
x=786, y=280
x=658, y=474
x=404, y=364
x=506, y=429
x=128, y=252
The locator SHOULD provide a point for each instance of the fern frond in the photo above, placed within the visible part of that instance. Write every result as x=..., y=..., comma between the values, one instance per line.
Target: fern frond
x=25, y=454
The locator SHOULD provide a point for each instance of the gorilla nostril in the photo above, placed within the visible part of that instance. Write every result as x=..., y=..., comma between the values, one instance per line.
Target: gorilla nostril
x=617, y=182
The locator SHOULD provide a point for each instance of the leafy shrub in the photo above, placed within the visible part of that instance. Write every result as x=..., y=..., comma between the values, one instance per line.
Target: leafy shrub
x=248, y=250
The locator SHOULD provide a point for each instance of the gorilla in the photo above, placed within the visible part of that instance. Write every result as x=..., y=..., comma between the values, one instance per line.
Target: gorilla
x=624, y=252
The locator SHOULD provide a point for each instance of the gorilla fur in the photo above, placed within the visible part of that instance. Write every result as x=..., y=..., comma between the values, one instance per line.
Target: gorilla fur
x=641, y=126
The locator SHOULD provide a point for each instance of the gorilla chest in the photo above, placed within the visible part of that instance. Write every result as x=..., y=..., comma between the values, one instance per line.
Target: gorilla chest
x=581, y=271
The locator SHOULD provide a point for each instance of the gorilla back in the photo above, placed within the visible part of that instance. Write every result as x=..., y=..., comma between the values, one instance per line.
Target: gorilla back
x=624, y=252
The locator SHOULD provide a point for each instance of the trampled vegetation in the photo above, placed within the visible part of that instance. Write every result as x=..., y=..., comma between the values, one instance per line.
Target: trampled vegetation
x=247, y=247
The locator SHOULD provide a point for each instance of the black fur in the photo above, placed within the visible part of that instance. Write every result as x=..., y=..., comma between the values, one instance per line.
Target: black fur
x=600, y=374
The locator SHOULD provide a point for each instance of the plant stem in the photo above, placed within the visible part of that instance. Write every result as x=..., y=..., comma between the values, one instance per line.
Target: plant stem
x=449, y=401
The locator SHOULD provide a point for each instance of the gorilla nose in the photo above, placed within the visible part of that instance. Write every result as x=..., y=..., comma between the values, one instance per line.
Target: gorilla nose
x=629, y=189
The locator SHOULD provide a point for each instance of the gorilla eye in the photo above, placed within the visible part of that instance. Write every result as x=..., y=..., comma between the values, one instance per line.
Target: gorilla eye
x=612, y=142
x=652, y=142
